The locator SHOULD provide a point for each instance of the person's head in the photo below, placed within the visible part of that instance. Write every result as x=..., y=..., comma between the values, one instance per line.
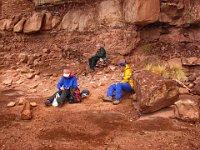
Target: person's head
x=122, y=66
x=98, y=46
x=66, y=73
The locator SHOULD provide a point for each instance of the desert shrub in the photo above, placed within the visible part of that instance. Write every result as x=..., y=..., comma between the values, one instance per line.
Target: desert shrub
x=167, y=71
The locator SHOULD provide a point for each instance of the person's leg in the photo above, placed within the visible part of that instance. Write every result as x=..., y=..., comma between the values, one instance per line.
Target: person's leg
x=126, y=87
x=90, y=62
x=49, y=101
x=111, y=89
x=63, y=97
x=94, y=61
x=108, y=97
x=118, y=94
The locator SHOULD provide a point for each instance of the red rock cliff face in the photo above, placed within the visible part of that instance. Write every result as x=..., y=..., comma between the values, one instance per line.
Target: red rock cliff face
x=165, y=28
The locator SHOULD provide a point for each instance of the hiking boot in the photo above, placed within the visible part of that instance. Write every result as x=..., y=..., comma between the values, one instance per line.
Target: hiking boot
x=107, y=99
x=60, y=102
x=47, y=103
x=116, y=102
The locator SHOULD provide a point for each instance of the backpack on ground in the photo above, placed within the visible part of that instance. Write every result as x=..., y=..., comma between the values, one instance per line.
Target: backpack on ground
x=74, y=95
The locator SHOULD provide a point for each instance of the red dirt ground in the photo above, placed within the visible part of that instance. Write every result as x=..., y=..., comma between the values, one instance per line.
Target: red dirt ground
x=90, y=125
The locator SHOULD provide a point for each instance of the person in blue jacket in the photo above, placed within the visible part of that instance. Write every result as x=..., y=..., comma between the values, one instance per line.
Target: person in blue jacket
x=68, y=80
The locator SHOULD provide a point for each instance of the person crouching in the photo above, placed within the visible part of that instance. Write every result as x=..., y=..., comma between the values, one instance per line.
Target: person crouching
x=125, y=84
x=67, y=81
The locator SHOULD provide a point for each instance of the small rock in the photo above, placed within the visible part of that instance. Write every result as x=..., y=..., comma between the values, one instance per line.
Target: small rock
x=101, y=84
x=8, y=82
x=191, y=85
x=20, y=81
x=11, y=104
x=45, y=50
x=21, y=101
x=30, y=75
x=33, y=104
x=23, y=58
x=113, y=68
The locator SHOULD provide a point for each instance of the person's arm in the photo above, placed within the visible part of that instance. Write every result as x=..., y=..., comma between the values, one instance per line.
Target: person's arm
x=101, y=53
x=60, y=84
x=127, y=75
x=74, y=84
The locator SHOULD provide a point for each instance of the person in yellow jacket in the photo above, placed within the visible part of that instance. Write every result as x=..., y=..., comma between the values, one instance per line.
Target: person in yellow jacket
x=125, y=84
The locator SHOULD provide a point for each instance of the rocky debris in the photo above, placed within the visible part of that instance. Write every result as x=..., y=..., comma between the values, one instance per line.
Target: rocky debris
x=110, y=13
x=8, y=82
x=11, y=104
x=141, y=11
x=5, y=24
x=23, y=58
x=26, y=111
x=191, y=61
x=34, y=23
x=154, y=92
x=19, y=26
x=187, y=110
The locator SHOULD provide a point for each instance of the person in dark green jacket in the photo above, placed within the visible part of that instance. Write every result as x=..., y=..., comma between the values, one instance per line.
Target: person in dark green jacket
x=101, y=54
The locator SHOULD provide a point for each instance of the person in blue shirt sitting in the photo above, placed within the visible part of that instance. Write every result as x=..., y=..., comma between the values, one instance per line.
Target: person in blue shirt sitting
x=67, y=81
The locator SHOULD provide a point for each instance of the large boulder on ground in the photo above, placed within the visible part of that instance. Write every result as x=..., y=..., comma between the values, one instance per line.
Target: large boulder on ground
x=110, y=13
x=141, y=11
x=34, y=23
x=19, y=26
x=187, y=110
x=154, y=92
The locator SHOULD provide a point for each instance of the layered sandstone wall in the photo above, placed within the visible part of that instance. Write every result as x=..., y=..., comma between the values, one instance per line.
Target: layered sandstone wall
x=165, y=28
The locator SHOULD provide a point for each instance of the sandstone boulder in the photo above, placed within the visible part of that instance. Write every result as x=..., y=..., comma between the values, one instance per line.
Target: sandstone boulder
x=50, y=21
x=141, y=11
x=87, y=21
x=110, y=13
x=55, y=21
x=70, y=21
x=19, y=26
x=154, y=92
x=34, y=23
x=5, y=24
x=47, y=21
x=187, y=110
